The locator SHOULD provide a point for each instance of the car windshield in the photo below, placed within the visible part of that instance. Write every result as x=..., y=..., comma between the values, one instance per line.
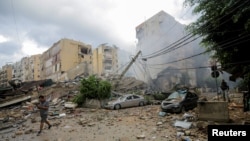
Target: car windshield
x=122, y=97
x=177, y=95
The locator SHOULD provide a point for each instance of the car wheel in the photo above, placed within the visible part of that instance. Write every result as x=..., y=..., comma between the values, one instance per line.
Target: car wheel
x=141, y=103
x=117, y=106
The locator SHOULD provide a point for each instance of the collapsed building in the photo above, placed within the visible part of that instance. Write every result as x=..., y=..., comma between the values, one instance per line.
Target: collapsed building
x=163, y=59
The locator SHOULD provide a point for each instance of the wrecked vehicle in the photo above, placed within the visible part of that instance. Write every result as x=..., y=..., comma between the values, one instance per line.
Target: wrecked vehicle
x=180, y=101
x=125, y=101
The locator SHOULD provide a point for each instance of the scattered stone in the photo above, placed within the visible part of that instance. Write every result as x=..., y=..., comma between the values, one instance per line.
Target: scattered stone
x=187, y=133
x=140, y=137
x=91, y=124
x=19, y=133
x=159, y=123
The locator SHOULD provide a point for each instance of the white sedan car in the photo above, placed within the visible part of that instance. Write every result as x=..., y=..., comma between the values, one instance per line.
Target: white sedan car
x=125, y=101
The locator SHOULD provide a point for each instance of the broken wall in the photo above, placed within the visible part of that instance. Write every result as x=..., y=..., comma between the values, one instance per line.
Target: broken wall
x=213, y=111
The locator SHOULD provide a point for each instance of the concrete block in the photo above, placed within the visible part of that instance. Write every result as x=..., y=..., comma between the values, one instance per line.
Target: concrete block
x=213, y=111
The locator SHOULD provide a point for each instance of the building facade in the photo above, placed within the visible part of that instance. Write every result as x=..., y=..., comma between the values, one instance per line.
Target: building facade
x=63, y=56
x=155, y=36
x=25, y=69
x=5, y=75
x=34, y=67
x=17, y=70
x=105, y=60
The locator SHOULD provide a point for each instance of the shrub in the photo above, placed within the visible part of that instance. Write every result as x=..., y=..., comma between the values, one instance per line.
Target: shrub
x=93, y=88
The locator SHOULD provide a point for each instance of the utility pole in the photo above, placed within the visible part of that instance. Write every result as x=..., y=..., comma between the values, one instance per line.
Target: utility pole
x=126, y=69
x=129, y=65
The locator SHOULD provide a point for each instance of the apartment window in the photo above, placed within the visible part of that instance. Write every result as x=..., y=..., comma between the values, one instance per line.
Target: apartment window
x=108, y=67
x=107, y=50
x=83, y=50
x=108, y=61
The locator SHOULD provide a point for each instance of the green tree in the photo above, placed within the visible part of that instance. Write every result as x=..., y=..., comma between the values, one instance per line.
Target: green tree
x=93, y=88
x=224, y=26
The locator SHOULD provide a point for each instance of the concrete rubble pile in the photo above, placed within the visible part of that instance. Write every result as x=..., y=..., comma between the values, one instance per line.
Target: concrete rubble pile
x=136, y=123
x=70, y=122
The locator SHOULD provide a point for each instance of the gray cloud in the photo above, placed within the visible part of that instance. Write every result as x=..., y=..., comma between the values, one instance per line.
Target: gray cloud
x=45, y=22
x=9, y=47
x=48, y=22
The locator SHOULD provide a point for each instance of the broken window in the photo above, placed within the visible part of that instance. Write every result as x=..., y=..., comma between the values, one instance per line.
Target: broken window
x=83, y=50
x=107, y=50
x=108, y=61
x=108, y=67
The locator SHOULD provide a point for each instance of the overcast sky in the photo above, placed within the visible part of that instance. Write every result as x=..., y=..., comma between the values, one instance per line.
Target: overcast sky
x=29, y=27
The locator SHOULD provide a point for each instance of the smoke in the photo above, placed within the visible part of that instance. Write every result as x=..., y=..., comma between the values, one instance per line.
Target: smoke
x=168, y=64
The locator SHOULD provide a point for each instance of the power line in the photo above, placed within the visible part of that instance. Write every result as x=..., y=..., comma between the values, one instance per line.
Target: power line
x=207, y=50
x=174, y=48
x=160, y=52
x=14, y=17
x=121, y=67
x=203, y=67
x=172, y=27
x=135, y=71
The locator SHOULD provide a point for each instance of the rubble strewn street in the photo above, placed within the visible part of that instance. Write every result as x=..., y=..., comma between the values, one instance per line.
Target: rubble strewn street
x=21, y=122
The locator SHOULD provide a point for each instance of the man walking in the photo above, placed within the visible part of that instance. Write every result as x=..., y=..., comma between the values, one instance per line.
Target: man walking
x=224, y=87
x=43, y=106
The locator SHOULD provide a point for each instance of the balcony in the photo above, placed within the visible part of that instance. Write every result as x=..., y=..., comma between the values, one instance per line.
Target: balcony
x=107, y=61
x=107, y=55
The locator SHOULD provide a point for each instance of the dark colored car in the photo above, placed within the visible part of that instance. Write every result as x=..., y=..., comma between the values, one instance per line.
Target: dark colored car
x=180, y=101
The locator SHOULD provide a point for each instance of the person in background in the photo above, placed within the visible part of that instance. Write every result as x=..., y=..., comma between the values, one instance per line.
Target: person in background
x=43, y=106
x=224, y=87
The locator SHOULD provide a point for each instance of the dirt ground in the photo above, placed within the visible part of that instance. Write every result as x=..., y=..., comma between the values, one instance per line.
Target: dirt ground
x=140, y=123
x=131, y=124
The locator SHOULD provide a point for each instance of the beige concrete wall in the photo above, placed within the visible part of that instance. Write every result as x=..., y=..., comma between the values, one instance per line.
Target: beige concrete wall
x=99, y=57
x=25, y=68
x=63, y=56
x=70, y=54
x=95, y=61
x=5, y=75
x=37, y=68
x=80, y=69
x=34, y=68
x=213, y=111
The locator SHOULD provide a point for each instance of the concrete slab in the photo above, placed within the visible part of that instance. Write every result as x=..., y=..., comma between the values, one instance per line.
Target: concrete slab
x=213, y=111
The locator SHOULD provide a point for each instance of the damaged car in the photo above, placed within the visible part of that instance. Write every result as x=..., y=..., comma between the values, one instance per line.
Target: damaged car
x=180, y=101
x=125, y=101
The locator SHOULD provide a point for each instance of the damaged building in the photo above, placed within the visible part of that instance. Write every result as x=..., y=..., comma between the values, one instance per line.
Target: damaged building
x=5, y=75
x=155, y=39
x=63, y=56
x=27, y=69
x=105, y=60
